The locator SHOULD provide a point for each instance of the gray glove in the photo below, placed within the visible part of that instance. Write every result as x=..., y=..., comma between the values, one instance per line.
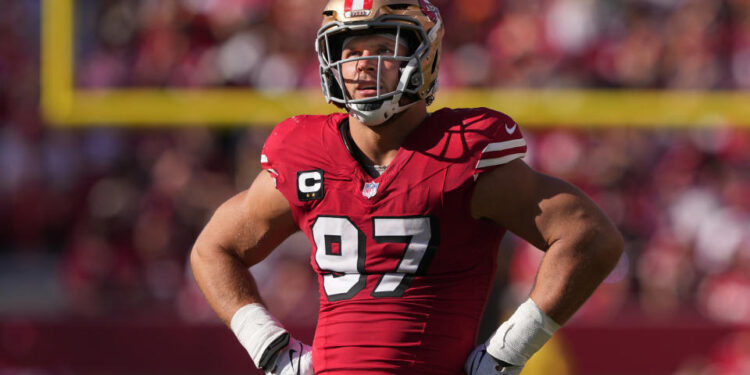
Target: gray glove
x=482, y=363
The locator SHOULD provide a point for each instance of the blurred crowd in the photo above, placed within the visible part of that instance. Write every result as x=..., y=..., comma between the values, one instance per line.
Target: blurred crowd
x=110, y=213
x=683, y=44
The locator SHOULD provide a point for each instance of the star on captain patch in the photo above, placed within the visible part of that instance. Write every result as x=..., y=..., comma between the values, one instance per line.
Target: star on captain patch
x=370, y=189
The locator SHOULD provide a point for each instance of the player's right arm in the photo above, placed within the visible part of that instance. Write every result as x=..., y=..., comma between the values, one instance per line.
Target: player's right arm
x=241, y=233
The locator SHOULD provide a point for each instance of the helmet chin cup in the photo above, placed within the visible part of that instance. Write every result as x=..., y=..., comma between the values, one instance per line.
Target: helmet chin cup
x=372, y=115
x=370, y=106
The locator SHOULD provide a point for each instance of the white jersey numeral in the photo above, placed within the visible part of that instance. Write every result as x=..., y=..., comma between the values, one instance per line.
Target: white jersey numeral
x=340, y=253
x=340, y=248
x=416, y=233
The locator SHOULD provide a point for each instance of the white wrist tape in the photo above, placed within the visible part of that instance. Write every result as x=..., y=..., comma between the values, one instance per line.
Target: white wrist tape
x=527, y=330
x=260, y=334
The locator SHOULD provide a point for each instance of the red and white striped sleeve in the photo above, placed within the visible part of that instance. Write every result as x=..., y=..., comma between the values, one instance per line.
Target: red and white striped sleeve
x=506, y=145
x=265, y=164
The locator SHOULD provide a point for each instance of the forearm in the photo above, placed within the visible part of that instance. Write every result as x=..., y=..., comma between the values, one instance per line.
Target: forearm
x=573, y=268
x=232, y=293
x=241, y=233
x=224, y=279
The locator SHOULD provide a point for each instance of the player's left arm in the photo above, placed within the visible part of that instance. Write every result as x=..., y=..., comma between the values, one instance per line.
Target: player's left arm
x=581, y=243
x=582, y=247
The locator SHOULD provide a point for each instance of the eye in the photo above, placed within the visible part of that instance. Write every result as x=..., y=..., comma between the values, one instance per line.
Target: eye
x=348, y=53
x=385, y=51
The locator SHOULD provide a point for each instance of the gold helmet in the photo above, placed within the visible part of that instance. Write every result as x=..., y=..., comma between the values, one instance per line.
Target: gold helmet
x=416, y=23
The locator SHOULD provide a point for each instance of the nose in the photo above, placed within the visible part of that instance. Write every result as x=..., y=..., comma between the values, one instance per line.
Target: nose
x=366, y=64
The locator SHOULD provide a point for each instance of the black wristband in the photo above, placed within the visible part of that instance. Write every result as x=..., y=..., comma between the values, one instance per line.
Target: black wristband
x=268, y=359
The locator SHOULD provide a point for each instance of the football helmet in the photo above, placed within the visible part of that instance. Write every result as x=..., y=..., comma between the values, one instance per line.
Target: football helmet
x=416, y=23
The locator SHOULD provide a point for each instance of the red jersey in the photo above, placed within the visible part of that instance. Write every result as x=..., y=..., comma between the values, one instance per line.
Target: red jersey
x=404, y=270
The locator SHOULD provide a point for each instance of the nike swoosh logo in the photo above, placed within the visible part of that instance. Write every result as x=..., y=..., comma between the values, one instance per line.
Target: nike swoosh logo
x=299, y=364
x=511, y=129
x=299, y=360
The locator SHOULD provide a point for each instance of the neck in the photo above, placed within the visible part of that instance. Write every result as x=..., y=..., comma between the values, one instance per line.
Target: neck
x=379, y=144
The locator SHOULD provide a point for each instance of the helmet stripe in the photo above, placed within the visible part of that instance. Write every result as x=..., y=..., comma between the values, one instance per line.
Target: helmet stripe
x=350, y=5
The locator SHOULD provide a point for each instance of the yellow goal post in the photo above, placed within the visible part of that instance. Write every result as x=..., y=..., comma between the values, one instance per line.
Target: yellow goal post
x=63, y=104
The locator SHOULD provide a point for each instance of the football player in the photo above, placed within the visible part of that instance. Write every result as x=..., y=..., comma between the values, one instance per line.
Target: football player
x=405, y=211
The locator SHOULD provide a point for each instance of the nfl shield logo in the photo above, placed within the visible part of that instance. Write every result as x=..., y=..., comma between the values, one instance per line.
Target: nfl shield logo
x=370, y=189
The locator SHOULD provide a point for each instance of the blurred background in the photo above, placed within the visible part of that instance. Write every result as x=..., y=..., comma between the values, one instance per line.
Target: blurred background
x=97, y=218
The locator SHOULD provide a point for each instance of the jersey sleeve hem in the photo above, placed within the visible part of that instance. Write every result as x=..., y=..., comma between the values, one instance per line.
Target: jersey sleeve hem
x=499, y=153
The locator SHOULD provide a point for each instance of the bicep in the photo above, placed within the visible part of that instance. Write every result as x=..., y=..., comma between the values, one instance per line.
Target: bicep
x=252, y=223
x=539, y=208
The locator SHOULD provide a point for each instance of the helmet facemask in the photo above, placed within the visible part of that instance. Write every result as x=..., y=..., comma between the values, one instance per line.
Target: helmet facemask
x=379, y=108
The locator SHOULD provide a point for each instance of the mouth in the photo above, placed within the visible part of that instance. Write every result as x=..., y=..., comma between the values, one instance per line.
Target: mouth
x=366, y=89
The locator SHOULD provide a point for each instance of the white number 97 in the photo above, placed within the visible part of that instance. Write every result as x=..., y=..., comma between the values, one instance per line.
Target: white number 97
x=340, y=250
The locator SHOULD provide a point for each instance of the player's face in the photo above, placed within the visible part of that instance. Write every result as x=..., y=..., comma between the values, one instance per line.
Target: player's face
x=360, y=77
